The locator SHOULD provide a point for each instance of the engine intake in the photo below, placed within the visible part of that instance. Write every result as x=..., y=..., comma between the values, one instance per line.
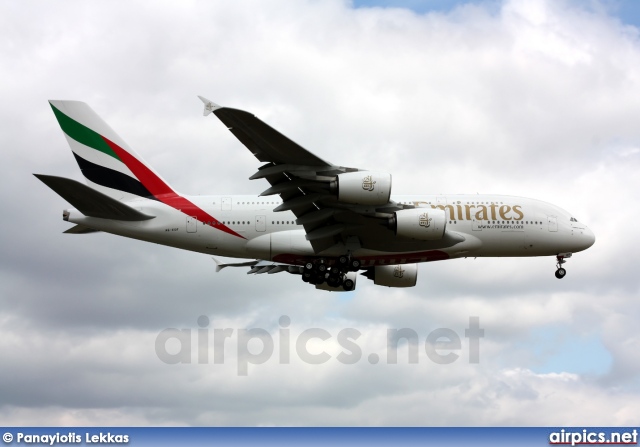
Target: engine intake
x=425, y=224
x=364, y=187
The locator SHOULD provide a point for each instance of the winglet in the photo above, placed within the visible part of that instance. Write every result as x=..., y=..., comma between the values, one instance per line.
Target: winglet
x=209, y=106
x=219, y=265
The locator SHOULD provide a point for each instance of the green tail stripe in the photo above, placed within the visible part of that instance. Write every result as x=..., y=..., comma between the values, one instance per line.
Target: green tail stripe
x=83, y=134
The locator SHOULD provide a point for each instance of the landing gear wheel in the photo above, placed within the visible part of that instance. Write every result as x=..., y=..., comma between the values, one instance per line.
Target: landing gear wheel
x=322, y=268
x=333, y=281
x=354, y=265
x=308, y=266
x=319, y=279
x=343, y=261
x=561, y=272
x=348, y=285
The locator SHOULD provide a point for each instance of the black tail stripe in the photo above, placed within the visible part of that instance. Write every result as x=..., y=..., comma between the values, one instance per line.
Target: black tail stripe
x=112, y=178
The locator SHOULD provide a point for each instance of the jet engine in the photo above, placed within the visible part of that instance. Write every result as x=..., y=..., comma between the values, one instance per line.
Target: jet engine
x=402, y=275
x=425, y=224
x=363, y=187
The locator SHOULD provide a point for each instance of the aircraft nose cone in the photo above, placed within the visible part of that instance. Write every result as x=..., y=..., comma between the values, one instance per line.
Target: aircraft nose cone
x=591, y=237
x=587, y=239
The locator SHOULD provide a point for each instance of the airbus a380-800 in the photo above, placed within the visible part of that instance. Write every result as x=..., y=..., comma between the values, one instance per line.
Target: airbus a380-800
x=318, y=220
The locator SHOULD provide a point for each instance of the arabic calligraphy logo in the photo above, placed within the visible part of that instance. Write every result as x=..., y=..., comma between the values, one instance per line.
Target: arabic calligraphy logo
x=424, y=220
x=398, y=272
x=368, y=183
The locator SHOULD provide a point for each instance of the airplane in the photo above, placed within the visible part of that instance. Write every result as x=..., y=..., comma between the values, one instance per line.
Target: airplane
x=320, y=221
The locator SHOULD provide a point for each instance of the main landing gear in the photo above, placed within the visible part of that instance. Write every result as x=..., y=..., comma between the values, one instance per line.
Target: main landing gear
x=334, y=275
x=561, y=272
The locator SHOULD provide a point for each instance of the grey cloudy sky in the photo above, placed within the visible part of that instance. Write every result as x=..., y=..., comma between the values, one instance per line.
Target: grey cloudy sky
x=525, y=97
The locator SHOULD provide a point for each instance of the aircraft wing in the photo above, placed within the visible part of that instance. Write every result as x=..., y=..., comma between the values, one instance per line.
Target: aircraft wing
x=264, y=142
x=306, y=184
x=258, y=267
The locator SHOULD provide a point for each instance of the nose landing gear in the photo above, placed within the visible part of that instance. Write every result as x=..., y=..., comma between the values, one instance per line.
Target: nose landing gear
x=561, y=272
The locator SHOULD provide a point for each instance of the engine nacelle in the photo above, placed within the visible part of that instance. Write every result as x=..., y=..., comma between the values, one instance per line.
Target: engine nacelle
x=425, y=224
x=402, y=275
x=364, y=187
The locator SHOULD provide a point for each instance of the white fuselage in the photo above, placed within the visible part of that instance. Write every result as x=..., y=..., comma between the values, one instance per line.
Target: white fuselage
x=491, y=225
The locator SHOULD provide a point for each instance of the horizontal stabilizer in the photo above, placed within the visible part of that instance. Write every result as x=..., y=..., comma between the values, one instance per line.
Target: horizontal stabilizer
x=80, y=229
x=90, y=202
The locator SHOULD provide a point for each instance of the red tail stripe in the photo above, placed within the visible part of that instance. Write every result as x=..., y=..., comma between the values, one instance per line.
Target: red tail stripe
x=163, y=192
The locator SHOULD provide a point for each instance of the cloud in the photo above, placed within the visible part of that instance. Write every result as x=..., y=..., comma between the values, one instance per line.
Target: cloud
x=532, y=98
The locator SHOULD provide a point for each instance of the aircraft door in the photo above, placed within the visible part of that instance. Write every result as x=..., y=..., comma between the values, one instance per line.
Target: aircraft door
x=261, y=223
x=226, y=204
x=553, y=223
x=192, y=224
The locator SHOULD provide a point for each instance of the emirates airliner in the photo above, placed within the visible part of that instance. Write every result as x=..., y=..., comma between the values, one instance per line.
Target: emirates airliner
x=320, y=221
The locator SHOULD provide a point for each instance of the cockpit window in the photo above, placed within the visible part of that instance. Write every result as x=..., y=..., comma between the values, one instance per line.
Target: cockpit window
x=573, y=219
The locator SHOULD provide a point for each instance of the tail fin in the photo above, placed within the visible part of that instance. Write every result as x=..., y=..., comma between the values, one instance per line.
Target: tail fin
x=108, y=163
